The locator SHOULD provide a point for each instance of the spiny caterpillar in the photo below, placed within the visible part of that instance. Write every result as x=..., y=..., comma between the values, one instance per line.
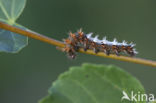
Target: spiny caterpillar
x=86, y=41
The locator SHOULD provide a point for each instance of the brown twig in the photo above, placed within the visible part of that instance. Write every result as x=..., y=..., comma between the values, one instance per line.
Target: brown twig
x=61, y=44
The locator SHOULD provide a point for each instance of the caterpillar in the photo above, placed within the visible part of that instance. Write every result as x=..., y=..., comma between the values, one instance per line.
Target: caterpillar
x=86, y=41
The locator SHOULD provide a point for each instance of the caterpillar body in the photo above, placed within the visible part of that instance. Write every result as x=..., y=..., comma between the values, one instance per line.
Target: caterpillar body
x=86, y=41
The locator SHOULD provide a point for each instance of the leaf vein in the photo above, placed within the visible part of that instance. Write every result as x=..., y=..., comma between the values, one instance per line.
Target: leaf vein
x=4, y=11
x=86, y=90
x=12, y=8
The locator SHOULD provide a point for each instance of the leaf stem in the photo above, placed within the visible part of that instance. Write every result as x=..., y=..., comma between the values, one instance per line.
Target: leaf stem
x=51, y=41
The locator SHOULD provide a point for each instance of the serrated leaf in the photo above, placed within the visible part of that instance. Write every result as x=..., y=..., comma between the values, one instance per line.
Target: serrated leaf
x=10, y=10
x=93, y=84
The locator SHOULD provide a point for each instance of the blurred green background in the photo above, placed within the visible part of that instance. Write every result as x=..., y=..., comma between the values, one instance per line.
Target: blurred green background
x=25, y=77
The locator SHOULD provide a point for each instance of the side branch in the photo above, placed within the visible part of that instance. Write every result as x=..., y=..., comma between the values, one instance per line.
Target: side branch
x=61, y=44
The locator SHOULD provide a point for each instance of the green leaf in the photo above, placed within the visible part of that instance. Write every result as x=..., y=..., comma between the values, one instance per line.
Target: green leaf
x=93, y=84
x=10, y=10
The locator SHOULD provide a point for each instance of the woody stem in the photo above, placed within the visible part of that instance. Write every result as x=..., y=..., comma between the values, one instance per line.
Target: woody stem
x=57, y=43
